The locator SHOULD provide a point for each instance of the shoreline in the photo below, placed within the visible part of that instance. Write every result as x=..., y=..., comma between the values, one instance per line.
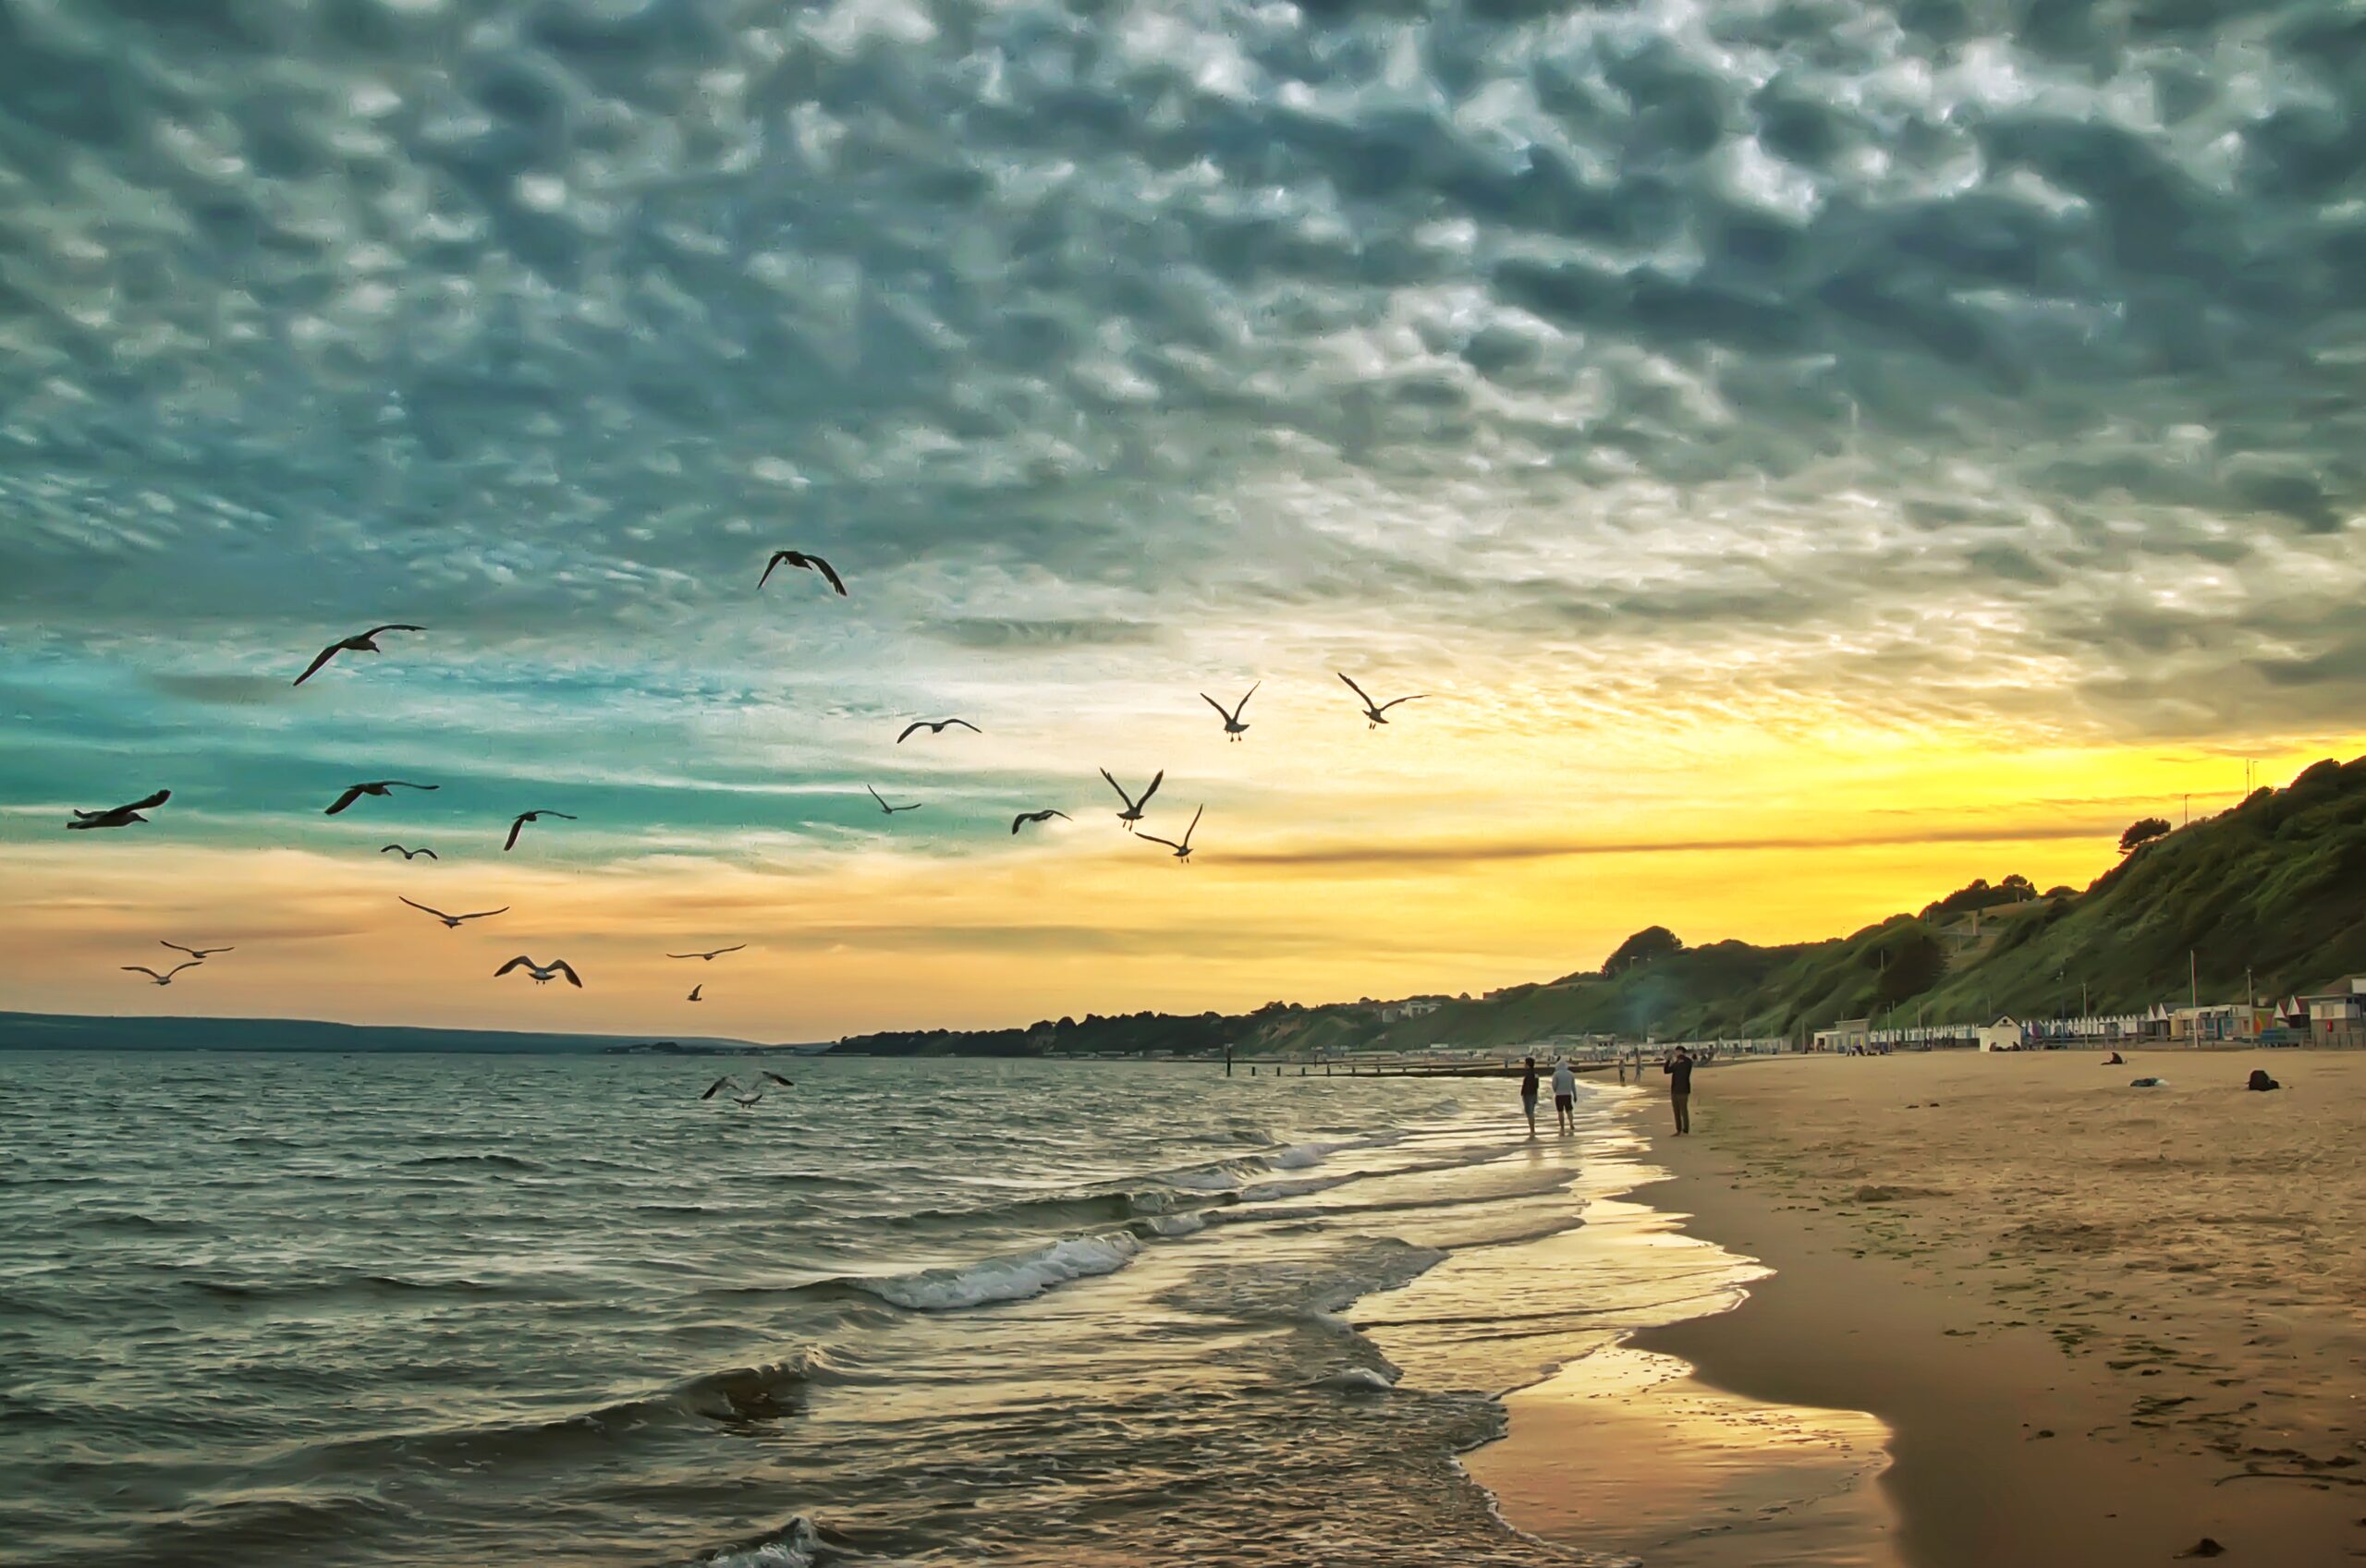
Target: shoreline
x=2054, y=1376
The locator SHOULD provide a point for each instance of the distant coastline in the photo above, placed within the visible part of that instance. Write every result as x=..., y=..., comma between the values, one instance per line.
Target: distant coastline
x=67, y=1031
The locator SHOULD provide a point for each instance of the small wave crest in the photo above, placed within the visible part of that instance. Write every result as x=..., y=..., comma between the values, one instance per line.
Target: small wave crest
x=1013, y=1277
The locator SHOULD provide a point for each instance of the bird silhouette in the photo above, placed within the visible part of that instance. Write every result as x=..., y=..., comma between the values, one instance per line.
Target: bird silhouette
x=164, y=980
x=1233, y=726
x=541, y=973
x=409, y=853
x=694, y=992
x=518, y=824
x=1025, y=817
x=710, y=957
x=1182, y=850
x=1133, y=811
x=891, y=810
x=197, y=954
x=798, y=558
x=119, y=816
x=380, y=786
x=360, y=642
x=1378, y=715
x=453, y=922
x=936, y=726
x=741, y=1094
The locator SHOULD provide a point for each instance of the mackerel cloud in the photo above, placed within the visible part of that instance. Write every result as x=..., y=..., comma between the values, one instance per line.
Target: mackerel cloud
x=1946, y=359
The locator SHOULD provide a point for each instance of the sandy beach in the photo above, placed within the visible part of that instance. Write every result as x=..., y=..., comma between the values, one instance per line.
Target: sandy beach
x=2095, y=1324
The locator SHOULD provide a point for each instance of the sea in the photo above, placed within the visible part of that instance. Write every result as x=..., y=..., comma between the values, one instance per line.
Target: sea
x=339, y=1310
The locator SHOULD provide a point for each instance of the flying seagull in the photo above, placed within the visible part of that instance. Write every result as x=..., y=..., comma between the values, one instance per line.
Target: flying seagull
x=1233, y=727
x=523, y=817
x=1025, y=817
x=891, y=810
x=798, y=558
x=542, y=973
x=197, y=954
x=119, y=816
x=936, y=726
x=409, y=853
x=1133, y=811
x=741, y=1094
x=164, y=980
x=1182, y=850
x=453, y=922
x=1379, y=715
x=694, y=993
x=710, y=957
x=360, y=642
x=380, y=786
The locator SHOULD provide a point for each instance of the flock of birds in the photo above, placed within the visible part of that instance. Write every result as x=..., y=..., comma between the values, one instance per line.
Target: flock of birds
x=1130, y=817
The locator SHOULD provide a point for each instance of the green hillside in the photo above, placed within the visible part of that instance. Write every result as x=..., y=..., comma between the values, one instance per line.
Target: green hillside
x=2277, y=886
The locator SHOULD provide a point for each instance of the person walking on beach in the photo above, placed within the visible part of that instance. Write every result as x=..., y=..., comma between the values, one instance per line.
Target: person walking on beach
x=1565, y=1096
x=1528, y=1094
x=1678, y=1068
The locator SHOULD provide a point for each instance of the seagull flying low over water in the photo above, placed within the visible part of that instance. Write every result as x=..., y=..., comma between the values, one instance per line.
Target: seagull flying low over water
x=542, y=973
x=197, y=954
x=710, y=957
x=1133, y=811
x=119, y=816
x=891, y=810
x=453, y=922
x=518, y=823
x=798, y=558
x=1378, y=715
x=936, y=726
x=741, y=1094
x=409, y=853
x=694, y=996
x=360, y=642
x=1233, y=727
x=1025, y=817
x=379, y=786
x=1182, y=850
x=164, y=980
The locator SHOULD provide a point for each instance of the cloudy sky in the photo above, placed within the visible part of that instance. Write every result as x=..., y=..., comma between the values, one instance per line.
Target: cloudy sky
x=1810, y=453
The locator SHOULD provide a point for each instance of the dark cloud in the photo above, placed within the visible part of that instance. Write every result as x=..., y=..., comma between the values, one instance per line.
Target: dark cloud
x=1378, y=859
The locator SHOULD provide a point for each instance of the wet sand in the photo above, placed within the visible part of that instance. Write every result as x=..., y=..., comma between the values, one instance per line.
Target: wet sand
x=2095, y=1323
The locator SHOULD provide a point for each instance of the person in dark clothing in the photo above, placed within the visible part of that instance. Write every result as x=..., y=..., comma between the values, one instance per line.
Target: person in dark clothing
x=1678, y=1069
x=1528, y=1094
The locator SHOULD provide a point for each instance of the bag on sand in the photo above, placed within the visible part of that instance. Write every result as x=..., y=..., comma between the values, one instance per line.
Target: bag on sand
x=2260, y=1080
x=2147, y=1083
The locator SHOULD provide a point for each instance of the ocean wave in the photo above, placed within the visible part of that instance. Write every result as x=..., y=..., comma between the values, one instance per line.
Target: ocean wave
x=795, y=1545
x=1011, y=1278
x=495, y=1162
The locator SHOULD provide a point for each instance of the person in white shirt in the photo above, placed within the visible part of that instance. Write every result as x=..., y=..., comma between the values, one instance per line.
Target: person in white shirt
x=1565, y=1096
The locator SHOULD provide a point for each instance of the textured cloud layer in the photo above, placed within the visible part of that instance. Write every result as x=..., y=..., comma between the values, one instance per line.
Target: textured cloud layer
x=1945, y=362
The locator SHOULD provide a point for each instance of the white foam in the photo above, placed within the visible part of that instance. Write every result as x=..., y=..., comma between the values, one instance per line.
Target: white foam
x=795, y=1548
x=1267, y=1192
x=1178, y=1225
x=1014, y=1278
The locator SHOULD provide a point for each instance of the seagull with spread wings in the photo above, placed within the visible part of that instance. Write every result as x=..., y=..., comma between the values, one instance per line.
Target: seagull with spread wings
x=409, y=853
x=936, y=726
x=541, y=974
x=694, y=996
x=710, y=957
x=1044, y=816
x=1233, y=726
x=376, y=786
x=1182, y=850
x=197, y=954
x=743, y=1094
x=119, y=816
x=518, y=822
x=1378, y=715
x=1133, y=811
x=164, y=980
x=452, y=922
x=360, y=642
x=891, y=810
x=798, y=558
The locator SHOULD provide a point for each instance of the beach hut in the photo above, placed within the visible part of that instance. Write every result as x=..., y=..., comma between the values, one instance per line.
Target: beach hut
x=2004, y=1034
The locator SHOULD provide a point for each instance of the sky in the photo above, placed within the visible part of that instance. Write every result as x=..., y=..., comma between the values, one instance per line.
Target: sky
x=1806, y=454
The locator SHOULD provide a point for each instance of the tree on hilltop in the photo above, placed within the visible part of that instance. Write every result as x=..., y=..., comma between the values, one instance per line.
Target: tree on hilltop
x=1651, y=942
x=2142, y=832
